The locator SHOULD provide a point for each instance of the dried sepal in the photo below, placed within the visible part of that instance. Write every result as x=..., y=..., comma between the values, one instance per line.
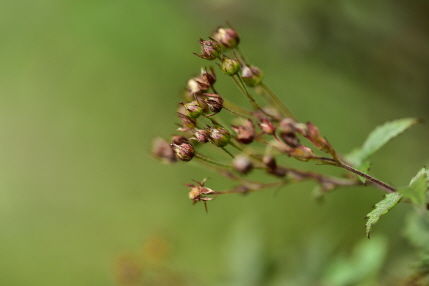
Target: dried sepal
x=197, y=193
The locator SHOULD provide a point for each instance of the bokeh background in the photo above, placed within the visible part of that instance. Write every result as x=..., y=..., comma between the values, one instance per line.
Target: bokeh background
x=86, y=85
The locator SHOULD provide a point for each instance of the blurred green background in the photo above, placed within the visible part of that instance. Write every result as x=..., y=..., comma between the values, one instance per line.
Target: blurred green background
x=86, y=85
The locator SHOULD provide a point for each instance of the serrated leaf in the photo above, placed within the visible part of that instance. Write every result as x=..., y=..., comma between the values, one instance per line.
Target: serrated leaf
x=377, y=138
x=381, y=208
x=416, y=191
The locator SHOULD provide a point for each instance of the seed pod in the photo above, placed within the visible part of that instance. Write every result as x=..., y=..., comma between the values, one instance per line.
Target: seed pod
x=214, y=101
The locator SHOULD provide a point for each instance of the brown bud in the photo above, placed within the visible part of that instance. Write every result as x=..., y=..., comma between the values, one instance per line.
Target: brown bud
x=184, y=151
x=245, y=132
x=163, y=151
x=210, y=49
x=242, y=164
x=227, y=37
x=290, y=139
x=267, y=126
x=201, y=135
x=214, y=101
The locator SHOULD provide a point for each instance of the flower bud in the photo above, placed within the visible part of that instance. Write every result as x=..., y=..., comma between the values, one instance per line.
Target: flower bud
x=267, y=126
x=252, y=76
x=287, y=125
x=184, y=151
x=201, y=135
x=219, y=136
x=214, y=101
x=210, y=49
x=290, y=139
x=242, y=164
x=229, y=66
x=269, y=161
x=227, y=37
x=245, y=132
x=192, y=109
x=163, y=151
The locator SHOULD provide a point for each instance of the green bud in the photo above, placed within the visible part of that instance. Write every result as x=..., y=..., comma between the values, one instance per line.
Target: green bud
x=219, y=136
x=193, y=109
x=230, y=66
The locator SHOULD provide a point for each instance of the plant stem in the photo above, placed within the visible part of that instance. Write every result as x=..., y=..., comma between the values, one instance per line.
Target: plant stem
x=382, y=184
x=207, y=160
x=278, y=102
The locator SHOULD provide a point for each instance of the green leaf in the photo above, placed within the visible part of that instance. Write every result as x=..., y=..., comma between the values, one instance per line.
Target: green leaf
x=380, y=136
x=381, y=208
x=416, y=191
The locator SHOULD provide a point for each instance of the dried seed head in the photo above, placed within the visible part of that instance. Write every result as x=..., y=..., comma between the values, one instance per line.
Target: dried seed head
x=227, y=37
x=242, y=164
x=229, y=66
x=197, y=192
x=214, y=101
x=252, y=76
x=267, y=126
x=163, y=151
x=210, y=49
x=245, y=132
x=219, y=136
x=193, y=109
x=184, y=151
